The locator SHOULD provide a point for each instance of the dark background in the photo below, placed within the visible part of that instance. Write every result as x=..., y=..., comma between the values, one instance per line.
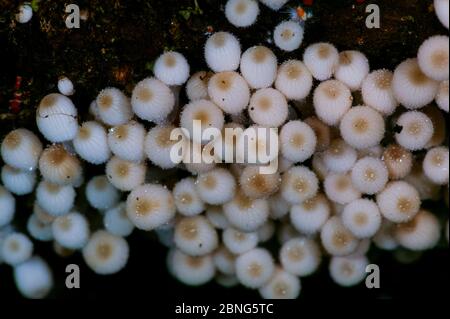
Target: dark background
x=117, y=45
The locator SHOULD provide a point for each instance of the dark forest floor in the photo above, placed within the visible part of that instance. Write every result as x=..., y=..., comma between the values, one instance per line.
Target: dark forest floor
x=120, y=39
x=116, y=46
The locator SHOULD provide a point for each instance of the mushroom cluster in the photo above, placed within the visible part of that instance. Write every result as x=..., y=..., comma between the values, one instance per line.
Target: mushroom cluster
x=351, y=174
x=287, y=35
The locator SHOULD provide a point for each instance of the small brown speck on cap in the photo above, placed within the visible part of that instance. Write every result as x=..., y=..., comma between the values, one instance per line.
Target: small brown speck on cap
x=62, y=251
x=410, y=226
x=104, y=250
x=343, y=183
x=170, y=60
x=361, y=125
x=264, y=103
x=361, y=219
x=311, y=204
x=144, y=207
x=331, y=90
x=281, y=289
x=255, y=270
x=209, y=181
x=241, y=7
x=404, y=205
x=121, y=132
x=194, y=262
x=228, y=255
x=163, y=137
x=101, y=182
x=438, y=159
x=296, y=253
x=122, y=169
x=260, y=54
x=370, y=175
x=260, y=183
x=287, y=34
x=346, y=58
x=341, y=239
x=242, y=201
x=337, y=147
x=417, y=77
x=188, y=228
x=415, y=128
x=43, y=216
x=14, y=245
x=52, y=188
x=205, y=76
x=145, y=94
x=203, y=116
x=56, y=154
x=224, y=81
x=186, y=198
x=239, y=236
x=84, y=132
x=300, y=185
x=65, y=223
x=293, y=71
x=383, y=80
x=12, y=140
x=347, y=269
x=395, y=153
x=297, y=140
x=105, y=101
x=219, y=39
x=40, y=224
x=440, y=59
x=48, y=101
x=324, y=51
